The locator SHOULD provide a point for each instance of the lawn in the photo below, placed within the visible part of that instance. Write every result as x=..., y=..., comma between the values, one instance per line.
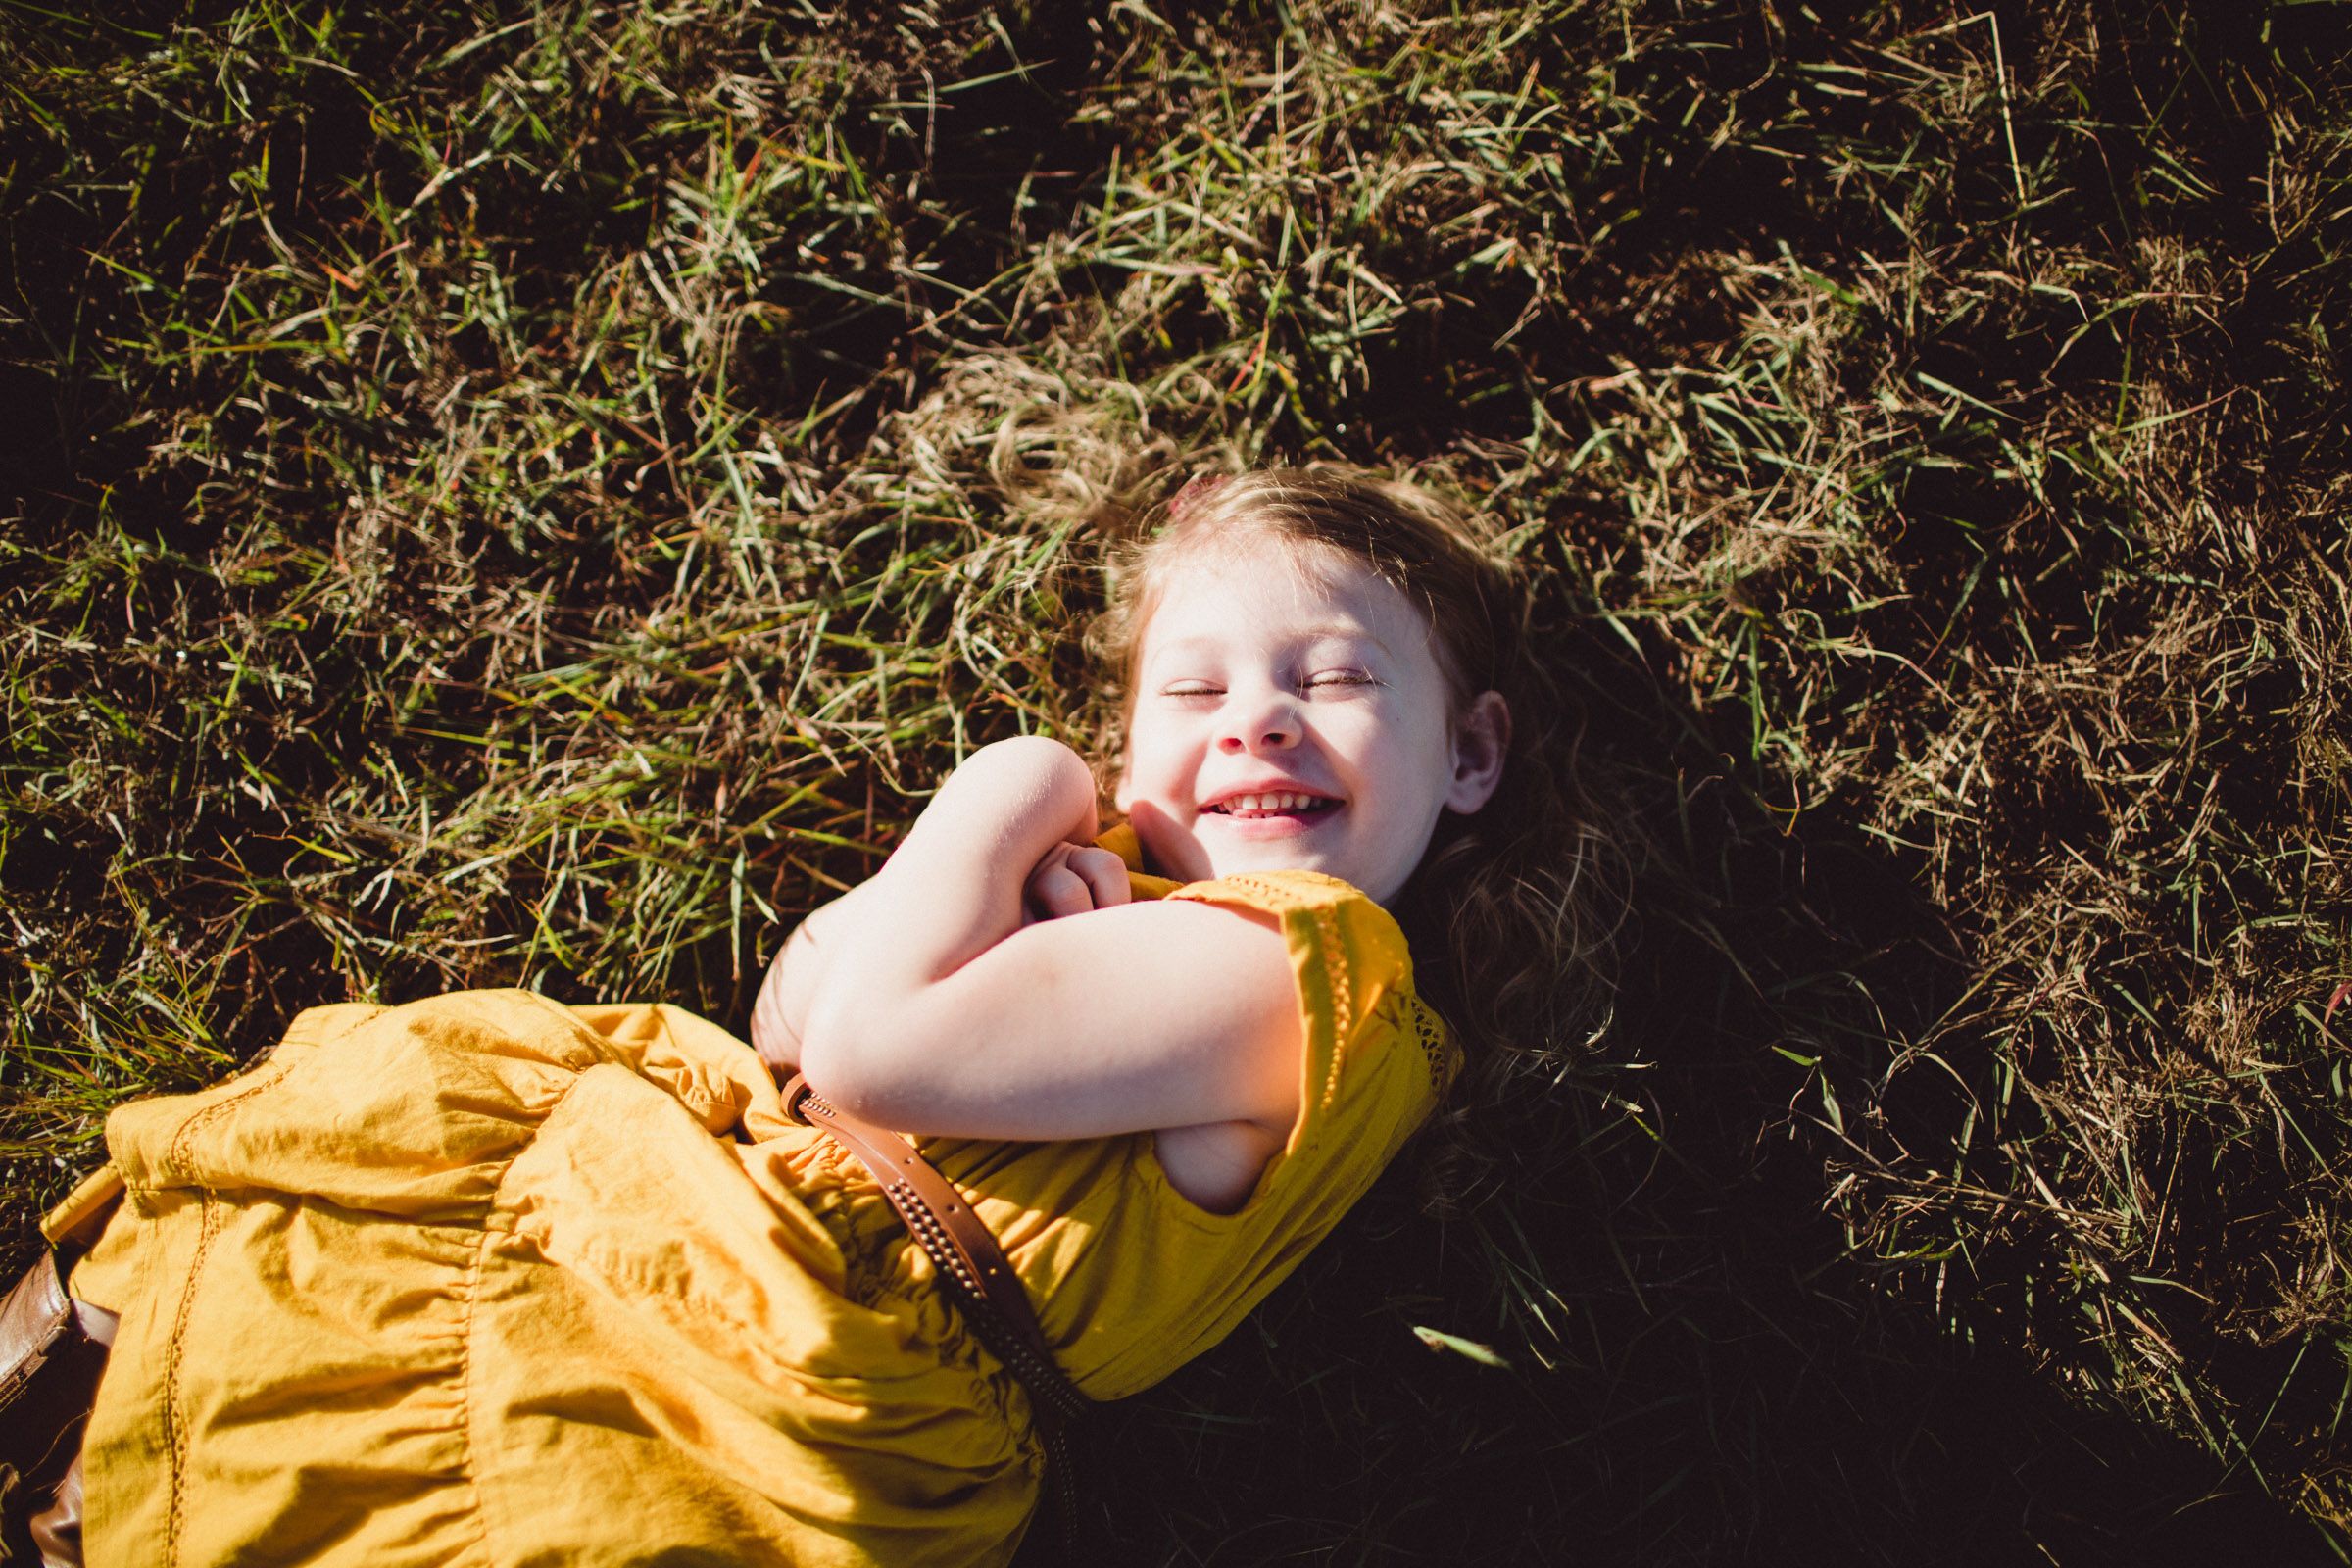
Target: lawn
x=537, y=496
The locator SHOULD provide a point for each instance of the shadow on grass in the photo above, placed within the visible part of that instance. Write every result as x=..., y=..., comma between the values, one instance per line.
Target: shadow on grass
x=1717, y=1392
x=1713, y=1436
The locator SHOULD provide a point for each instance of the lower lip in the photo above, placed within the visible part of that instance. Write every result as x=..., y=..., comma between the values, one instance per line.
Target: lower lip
x=1272, y=824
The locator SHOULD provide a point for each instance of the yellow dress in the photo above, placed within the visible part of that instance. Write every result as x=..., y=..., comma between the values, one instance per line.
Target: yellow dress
x=486, y=1280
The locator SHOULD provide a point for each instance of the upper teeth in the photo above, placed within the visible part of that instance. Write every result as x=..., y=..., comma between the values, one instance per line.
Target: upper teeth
x=1276, y=801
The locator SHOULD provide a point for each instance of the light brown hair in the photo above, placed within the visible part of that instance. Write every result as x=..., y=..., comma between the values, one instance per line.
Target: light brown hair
x=1513, y=911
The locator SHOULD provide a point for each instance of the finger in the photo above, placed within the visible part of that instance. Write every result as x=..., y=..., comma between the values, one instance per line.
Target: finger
x=1033, y=903
x=1104, y=875
x=1059, y=891
x=1059, y=855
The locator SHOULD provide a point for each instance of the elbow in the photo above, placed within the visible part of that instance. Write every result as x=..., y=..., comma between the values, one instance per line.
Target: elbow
x=856, y=1061
x=831, y=1070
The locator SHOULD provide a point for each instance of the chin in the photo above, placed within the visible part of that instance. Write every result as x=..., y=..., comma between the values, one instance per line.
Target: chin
x=1230, y=864
x=1273, y=854
x=1299, y=853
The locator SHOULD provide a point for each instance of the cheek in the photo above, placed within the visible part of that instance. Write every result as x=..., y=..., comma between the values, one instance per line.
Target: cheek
x=1416, y=738
x=1151, y=766
x=1415, y=762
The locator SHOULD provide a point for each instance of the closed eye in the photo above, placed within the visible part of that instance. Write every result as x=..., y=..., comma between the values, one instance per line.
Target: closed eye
x=1340, y=677
x=1191, y=688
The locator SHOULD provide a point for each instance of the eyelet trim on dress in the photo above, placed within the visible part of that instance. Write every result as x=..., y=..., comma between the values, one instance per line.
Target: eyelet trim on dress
x=1343, y=995
x=1430, y=1030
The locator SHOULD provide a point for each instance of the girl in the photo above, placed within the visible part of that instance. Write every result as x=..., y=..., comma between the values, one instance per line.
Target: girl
x=484, y=1279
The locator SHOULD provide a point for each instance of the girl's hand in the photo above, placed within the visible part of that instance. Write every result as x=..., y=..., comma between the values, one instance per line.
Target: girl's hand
x=1072, y=879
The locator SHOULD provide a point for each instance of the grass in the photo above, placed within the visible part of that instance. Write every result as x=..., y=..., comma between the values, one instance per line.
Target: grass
x=537, y=496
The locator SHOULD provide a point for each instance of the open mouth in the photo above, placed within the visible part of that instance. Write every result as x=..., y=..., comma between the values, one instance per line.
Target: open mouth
x=1272, y=803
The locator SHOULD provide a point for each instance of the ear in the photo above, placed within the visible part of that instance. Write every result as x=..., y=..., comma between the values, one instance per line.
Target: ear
x=1482, y=740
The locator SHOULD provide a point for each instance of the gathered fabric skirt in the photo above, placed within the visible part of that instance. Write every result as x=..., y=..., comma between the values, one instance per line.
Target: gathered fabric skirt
x=485, y=1280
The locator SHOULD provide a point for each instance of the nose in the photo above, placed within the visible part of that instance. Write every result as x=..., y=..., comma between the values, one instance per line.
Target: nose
x=1265, y=721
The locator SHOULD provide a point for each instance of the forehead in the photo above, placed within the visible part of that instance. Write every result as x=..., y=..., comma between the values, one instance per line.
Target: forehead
x=1261, y=586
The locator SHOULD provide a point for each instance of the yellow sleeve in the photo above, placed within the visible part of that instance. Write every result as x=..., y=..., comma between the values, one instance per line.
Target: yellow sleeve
x=1355, y=976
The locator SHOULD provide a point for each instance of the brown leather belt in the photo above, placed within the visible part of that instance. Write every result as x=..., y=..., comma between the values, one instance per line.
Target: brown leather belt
x=975, y=1271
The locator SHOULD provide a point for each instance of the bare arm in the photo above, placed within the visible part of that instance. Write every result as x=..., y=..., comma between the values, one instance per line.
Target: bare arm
x=936, y=1008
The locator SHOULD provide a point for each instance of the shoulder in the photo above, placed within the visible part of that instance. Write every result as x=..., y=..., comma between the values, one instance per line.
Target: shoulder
x=1352, y=969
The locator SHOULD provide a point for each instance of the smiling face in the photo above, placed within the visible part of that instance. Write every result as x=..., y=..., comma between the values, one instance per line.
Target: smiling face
x=1291, y=714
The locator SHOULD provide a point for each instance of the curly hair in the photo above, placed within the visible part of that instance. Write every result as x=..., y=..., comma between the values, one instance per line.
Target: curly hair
x=1513, y=911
